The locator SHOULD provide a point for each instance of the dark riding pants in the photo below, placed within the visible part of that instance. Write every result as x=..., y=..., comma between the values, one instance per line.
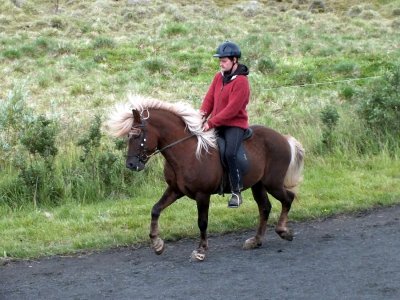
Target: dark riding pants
x=233, y=137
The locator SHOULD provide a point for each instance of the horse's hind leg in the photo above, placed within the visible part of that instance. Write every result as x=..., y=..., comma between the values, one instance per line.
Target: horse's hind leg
x=264, y=208
x=286, y=198
x=169, y=197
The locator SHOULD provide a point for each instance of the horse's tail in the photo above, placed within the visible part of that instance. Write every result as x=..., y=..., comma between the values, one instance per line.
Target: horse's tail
x=293, y=175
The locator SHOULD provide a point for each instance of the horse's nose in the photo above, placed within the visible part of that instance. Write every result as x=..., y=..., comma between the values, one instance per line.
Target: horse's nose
x=130, y=165
x=135, y=165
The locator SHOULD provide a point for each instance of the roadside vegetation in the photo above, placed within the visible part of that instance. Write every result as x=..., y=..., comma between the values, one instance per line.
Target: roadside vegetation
x=326, y=72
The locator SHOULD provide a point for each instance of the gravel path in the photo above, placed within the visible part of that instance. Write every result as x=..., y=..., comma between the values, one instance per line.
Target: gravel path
x=345, y=257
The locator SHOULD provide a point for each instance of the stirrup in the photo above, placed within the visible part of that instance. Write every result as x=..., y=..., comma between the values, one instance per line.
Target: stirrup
x=235, y=201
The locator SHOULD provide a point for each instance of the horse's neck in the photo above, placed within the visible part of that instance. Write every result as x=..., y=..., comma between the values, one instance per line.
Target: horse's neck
x=171, y=129
x=168, y=125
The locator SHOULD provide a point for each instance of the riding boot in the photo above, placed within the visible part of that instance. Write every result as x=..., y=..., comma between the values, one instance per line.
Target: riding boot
x=236, y=186
x=236, y=200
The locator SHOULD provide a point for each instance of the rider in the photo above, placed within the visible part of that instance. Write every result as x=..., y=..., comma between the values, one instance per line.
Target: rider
x=225, y=107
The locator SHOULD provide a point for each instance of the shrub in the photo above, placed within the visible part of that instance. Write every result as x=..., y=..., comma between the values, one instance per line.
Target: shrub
x=98, y=162
x=103, y=42
x=155, y=65
x=43, y=43
x=106, y=163
x=354, y=11
x=174, y=29
x=39, y=137
x=326, y=51
x=14, y=114
x=91, y=141
x=63, y=48
x=379, y=105
x=369, y=14
x=12, y=54
x=195, y=67
x=396, y=12
x=302, y=78
x=36, y=168
x=265, y=65
x=28, y=144
x=57, y=23
x=12, y=191
x=100, y=57
x=347, y=92
x=329, y=117
x=39, y=182
x=44, y=81
x=80, y=89
x=347, y=67
x=29, y=50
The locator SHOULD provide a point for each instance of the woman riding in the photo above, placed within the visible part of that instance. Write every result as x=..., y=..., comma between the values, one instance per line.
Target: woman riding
x=224, y=108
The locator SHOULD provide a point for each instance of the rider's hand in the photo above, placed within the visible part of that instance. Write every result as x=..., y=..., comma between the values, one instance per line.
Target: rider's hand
x=206, y=127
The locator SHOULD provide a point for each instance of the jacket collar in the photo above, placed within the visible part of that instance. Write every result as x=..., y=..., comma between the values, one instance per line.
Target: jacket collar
x=240, y=70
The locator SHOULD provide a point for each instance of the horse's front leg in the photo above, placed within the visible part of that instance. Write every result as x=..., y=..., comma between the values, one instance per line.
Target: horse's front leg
x=169, y=197
x=203, y=203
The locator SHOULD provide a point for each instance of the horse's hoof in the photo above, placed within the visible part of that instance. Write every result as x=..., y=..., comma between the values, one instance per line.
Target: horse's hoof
x=251, y=243
x=158, y=245
x=286, y=235
x=197, y=255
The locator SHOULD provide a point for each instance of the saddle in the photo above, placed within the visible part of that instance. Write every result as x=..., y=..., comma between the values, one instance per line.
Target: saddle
x=242, y=160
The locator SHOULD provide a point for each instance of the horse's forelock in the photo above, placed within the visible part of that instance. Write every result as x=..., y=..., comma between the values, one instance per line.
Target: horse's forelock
x=120, y=121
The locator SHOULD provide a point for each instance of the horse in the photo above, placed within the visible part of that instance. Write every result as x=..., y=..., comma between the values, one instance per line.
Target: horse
x=193, y=167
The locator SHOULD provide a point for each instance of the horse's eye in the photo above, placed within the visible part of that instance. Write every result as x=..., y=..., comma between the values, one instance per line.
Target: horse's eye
x=134, y=133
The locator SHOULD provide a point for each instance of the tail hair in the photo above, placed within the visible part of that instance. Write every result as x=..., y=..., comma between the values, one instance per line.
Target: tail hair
x=294, y=174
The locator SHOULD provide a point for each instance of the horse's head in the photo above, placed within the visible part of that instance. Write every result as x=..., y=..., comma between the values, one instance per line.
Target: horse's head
x=164, y=130
x=140, y=142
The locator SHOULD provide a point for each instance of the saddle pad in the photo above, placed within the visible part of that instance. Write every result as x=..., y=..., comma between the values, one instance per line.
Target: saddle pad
x=243, y=163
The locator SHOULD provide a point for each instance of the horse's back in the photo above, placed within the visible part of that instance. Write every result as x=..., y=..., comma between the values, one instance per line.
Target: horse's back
x=268, y=149
x=274, y=141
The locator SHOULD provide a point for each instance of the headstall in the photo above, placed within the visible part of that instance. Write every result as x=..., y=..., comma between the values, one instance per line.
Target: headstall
x=139, y=131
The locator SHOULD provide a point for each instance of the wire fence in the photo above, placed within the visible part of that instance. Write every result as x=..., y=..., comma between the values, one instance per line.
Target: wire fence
x=321, y=83
x=93, y=111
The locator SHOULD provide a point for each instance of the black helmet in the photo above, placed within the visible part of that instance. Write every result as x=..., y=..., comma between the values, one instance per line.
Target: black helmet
x=228, y=49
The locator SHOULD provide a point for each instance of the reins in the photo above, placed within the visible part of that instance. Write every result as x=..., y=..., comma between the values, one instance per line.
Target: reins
x=171, y=145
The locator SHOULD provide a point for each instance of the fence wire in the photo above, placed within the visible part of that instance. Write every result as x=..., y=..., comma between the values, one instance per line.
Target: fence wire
x=101, y=109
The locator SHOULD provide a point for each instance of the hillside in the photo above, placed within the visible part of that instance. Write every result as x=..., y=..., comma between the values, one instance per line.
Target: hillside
x=74, y=55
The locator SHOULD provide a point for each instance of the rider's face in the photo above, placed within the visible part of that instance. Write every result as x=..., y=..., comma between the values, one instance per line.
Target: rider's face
x=226, y=64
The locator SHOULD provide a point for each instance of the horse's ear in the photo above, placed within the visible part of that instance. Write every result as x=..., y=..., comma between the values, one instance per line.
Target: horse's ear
x=136, y=116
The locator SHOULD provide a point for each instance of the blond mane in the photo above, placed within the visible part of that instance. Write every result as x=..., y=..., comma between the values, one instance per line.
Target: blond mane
x=121, y=119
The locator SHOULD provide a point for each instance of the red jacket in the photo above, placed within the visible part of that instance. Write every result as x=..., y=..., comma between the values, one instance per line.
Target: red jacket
x=226, y=104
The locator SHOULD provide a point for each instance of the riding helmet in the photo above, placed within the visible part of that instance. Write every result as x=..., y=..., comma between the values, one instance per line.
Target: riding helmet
x=228, y=49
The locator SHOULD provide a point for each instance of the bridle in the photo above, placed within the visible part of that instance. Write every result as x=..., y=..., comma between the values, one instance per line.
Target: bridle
x=140, y=131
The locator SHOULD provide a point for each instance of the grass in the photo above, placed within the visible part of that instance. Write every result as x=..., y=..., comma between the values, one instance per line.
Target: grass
x=332, y=185
x=79, y=61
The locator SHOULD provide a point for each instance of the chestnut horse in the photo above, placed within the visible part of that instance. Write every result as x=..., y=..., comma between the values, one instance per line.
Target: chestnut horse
x=193, y=166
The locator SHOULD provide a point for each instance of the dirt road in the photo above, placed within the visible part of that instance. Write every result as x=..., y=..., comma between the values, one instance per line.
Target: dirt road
x=346, y=257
